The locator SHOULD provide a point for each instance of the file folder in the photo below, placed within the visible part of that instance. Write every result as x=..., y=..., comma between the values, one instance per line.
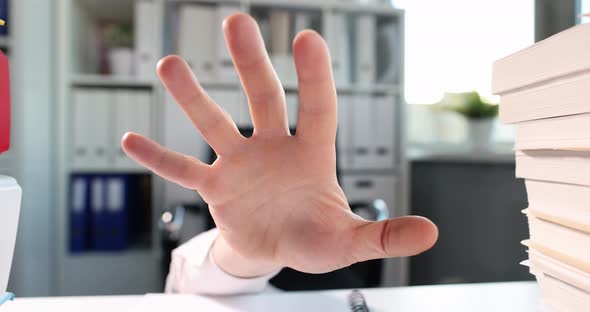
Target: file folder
x=362, y=136
x=91, y=143
x=145, y=45
x=195, y=28
x=229, y=100
x=338, y=37
x=292, y=102
x=126, y=115
x=132, y=112
x=343, y=140
x=117, y=203
x=99, y=217
x=366, y=54
x=80, y=120
x=384, y=127
x=79, y=214
x=109, y=206
x=388, y=57
x=224, y=65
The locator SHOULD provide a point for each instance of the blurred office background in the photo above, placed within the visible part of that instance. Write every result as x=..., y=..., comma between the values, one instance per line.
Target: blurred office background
x=93, y=222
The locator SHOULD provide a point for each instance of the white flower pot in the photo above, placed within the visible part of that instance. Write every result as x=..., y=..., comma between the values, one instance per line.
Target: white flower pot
x=121, y=61
x=479, y=134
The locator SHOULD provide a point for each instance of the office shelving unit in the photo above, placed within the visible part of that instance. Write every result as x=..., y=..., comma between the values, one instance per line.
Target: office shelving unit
x=137, y=270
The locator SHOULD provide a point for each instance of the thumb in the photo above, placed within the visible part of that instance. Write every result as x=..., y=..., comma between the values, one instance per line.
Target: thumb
x=399, y=237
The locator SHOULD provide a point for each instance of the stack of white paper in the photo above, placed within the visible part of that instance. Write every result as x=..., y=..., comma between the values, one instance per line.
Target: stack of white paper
x=545, y=92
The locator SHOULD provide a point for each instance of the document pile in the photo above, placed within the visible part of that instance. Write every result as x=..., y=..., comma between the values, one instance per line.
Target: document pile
x=545, y=93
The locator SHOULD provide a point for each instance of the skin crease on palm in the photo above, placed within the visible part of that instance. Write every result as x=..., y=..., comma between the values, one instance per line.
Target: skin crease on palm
x=274, y=197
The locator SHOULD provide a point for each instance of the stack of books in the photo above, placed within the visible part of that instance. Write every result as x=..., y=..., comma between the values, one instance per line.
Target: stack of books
x=545, y=93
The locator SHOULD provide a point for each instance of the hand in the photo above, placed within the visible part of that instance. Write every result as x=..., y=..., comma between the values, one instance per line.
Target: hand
x=275, y=197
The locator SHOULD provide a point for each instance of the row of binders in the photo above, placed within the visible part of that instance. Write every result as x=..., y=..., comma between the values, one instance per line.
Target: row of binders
x=108, y=212
x=366, y=49
x=367, y=128
x=100, y=117
x=367, y=132
x=545, y=93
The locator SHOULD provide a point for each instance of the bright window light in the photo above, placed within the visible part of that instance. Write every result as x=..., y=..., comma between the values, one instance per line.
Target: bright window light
x=584, y=7
x=451, y=44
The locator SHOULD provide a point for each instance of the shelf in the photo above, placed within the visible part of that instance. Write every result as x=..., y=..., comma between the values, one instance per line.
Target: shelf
x=351, y=7
x=108, y=9
x=134, y=170
x=377, y=9
x=93, y=80
x=5, y=42
x=206, y=1
x=370, y=171
x=135, y=269
x=289, y=87
x=133, y=253
x=293, y=5
x=377, y=88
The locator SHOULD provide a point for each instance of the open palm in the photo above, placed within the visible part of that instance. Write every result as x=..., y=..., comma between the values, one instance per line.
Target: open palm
x=275, y=197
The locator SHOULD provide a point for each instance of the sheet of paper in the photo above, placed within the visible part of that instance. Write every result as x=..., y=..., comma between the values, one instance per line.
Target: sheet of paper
x=320, y=301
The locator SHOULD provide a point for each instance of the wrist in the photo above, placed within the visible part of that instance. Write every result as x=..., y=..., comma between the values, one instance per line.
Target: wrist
x=232, y=263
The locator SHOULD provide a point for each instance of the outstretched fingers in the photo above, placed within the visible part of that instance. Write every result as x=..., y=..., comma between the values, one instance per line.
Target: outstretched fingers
x=215, y=125
x=266, y=96
x=170, y=165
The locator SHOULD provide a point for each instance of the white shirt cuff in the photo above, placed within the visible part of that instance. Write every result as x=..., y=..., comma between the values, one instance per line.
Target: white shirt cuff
x=193, y=270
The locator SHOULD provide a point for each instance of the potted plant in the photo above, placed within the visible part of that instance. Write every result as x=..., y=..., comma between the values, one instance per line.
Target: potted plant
x=119, y=43
x=479, y=113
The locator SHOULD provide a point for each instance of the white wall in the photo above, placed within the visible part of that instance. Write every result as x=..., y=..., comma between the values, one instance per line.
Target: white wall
x=32, y=92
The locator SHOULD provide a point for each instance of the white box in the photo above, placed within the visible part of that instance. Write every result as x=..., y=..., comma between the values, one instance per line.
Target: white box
x=146, y=52
x=144, y=104
x=99, y=128
x=292, y=103
x=338, y=39
x=345, y=127
x=385, y=131
x=224, y=66
x=132, y=110
x=229, y=100
x=180, y=135
x=366, y=54
x=125, y=120
x=195, y=38
x=284, y=65
x=388, y=53
x=245, y=117
x=91, y=128
x=79, y=133
x=363, y=140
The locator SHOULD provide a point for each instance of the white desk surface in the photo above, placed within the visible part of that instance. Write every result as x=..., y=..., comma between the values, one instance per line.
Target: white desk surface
x=515, y=296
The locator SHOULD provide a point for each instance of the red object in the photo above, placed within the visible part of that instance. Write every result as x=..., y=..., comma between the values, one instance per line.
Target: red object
x=4, y=104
